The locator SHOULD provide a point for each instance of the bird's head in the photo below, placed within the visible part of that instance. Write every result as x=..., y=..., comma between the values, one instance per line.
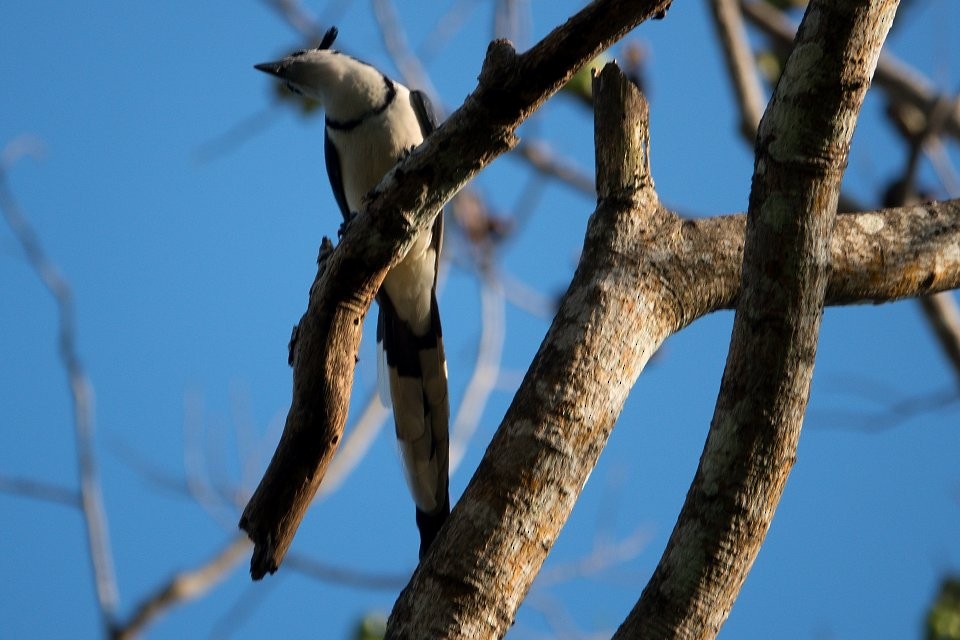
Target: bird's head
x=305, y=72
x=341, y=84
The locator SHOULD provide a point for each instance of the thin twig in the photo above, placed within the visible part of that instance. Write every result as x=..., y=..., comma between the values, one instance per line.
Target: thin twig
x=81, y=394
x=542, y=158
x=224, y=143
x=242, y=609
x=395, y=41
x=183, y=587
x=943, y=316
x=603, y=557
x=732, y=33
x=936, y=153
x=221, y=506
x=345, y=577
x=39, y=490
x=297, y=17
x=509, y=21
x=526, y=298
x=485, y=372
x=901, y=82
x=448, y=24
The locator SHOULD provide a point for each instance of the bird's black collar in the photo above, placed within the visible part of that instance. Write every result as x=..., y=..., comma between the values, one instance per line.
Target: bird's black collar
x=391, y=94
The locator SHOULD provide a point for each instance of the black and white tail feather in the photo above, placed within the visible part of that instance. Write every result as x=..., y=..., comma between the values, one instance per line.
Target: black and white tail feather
x=371, y=123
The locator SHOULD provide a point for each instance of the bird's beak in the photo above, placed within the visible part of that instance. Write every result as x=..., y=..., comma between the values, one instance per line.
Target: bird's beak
x=273, y=68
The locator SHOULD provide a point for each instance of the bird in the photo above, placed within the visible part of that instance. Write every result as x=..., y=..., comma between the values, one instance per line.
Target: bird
x=372, y=122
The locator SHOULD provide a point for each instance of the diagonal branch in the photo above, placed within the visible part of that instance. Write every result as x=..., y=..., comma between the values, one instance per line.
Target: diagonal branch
x=39, y=490
x=732, y=33
x=802, y=150
x=481, y=566
x=511, y=87
x=901, y=82
x=647, y=283
x=182, y=587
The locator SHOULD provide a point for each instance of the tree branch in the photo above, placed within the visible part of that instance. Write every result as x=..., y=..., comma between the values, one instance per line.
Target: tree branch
x=943, y=315
x=902, y=85
x=728, y=19
x=81, y=391
x=481, y=566
x=183, y=587
x=511, y=87
x=901, y=82
x=802, y=151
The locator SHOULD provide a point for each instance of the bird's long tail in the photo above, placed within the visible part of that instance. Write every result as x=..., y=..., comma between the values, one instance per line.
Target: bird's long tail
x=413, y=368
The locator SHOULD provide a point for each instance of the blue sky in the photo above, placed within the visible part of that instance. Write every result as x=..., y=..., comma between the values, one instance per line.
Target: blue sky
x=188, y=274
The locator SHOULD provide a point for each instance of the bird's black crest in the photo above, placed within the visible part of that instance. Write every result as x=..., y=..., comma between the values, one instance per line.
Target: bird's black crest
x=328, y=38
x=325, y=43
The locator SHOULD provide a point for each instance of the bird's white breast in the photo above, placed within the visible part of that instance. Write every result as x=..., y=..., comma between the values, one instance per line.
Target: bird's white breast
x=367, y=152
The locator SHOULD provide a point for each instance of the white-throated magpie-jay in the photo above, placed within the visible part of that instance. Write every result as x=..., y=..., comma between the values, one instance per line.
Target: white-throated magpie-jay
x=371, y=123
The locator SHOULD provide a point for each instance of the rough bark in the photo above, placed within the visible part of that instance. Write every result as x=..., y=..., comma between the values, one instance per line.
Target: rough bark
x=644, y=274
x=901, y=83
x=614, y=315
x=510, y=88
x=684, y=269
x=875, y=256
x=802, y=151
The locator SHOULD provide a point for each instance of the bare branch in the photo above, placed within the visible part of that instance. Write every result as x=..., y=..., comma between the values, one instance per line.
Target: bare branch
x=802, y=150
x=542, y=158
x=941, y=313
x=875, y=256
x=395, y=40
x=480, y=567
x=511, y=87
x=39, y=490
x=739, y=57
x=944, y=316
x=81, y=395
x=183, y=587
x=342, y=576
x=486, y=371
x=901, y=82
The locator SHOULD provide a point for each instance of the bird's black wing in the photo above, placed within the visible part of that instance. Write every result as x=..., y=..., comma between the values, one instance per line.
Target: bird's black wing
x=424, y=109
x=335, y=174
